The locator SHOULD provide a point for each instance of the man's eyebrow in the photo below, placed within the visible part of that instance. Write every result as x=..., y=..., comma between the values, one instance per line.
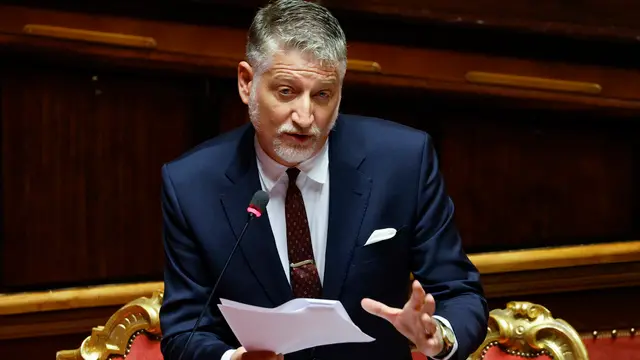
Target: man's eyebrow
x=329, y=79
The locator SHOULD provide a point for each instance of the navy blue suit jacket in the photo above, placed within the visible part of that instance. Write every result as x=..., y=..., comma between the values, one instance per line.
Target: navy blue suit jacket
x=382, y=175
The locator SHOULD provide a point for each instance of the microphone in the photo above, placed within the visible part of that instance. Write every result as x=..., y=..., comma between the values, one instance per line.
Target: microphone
x=256, y=207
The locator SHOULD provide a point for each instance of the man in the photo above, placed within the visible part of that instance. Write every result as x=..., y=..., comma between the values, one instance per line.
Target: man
x=333, y=180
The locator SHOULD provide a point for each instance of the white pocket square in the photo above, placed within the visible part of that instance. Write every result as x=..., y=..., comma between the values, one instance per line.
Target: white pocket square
x=380, y=235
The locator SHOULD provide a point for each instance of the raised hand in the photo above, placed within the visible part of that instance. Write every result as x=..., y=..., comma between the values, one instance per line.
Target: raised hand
x=415, y=320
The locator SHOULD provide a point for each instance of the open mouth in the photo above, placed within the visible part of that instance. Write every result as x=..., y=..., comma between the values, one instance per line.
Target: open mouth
x=300, y=138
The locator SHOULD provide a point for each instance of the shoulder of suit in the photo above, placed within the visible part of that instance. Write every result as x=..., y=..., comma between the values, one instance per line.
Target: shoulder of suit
x=212, y=155
x=378, y=132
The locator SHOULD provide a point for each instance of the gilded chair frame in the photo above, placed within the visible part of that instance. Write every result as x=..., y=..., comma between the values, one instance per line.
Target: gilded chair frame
x=139, y=316
x=528, y=330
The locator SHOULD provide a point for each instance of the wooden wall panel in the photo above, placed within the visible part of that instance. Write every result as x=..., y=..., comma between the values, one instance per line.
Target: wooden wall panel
x=595, y=13
x=523, y=179
x=40, y=348
x=82, y=151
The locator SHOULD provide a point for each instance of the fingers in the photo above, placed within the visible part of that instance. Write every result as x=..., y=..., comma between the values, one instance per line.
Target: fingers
x=429, y=342
x=436, y=343
x=420, y=300
x=428, y=324
x=417, y=296
x=379, y=309
x=237, y=355
x=433, y=346
x=429, y=305
x=260, y=355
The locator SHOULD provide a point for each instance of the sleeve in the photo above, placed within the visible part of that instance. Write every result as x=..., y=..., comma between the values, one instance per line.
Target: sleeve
x=440, y=264
x=186, y=289
x=446, y=323
x=227, y=355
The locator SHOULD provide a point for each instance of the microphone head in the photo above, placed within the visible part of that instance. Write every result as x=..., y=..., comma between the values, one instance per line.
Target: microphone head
x=258, y=203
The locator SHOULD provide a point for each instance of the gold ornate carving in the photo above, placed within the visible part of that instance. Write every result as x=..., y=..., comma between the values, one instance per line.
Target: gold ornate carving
x=528, y=330
x=116, y=336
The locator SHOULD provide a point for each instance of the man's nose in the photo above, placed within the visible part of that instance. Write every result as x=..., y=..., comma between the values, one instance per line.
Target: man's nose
x=303, y=114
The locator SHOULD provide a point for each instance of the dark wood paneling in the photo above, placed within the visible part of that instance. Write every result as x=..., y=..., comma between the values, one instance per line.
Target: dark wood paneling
x=40, y=335
x=613, y=20
x=186, y=47
x=591, y=13
x=525, y=179
x=82, y=152
x=40, y=348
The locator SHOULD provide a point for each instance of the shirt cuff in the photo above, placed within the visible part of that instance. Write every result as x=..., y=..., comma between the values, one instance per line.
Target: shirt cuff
x=446, y=323
x=227, y=354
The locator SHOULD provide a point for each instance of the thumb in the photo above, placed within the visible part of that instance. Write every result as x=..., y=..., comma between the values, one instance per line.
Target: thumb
x=379, y=309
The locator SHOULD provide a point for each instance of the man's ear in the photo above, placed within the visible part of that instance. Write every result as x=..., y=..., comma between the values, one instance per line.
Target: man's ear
x=245, y=78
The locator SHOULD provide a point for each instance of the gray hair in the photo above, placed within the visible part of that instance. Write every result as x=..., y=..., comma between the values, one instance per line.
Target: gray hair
x=296, y=25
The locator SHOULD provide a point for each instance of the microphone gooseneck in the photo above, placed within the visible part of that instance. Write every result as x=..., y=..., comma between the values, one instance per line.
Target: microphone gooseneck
x=256, y=207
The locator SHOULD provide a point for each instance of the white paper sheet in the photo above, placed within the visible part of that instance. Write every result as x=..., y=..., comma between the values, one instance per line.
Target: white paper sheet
x=295, y=325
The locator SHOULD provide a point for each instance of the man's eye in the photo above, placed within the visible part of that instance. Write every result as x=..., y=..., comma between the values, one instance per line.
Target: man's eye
x=284, y=91
x=324, y=94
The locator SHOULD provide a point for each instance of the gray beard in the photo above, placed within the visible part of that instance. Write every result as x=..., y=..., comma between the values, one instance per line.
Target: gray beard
x=289, y=154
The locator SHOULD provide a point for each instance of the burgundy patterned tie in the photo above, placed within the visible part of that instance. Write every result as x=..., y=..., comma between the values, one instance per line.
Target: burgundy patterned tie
x=305, y=281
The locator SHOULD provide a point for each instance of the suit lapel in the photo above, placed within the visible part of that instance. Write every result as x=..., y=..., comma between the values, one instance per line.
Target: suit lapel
x=348, y=199
x=258, y=244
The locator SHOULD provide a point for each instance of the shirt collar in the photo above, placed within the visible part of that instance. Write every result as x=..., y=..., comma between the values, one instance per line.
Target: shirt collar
x=315, y=168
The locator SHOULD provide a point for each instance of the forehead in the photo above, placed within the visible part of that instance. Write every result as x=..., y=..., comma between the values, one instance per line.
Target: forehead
x=296, y=65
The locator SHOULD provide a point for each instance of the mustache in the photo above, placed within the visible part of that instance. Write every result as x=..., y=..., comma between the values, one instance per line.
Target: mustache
x=314, y=130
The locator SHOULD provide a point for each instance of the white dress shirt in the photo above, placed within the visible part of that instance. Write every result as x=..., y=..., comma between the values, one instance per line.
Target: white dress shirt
x=313, y=182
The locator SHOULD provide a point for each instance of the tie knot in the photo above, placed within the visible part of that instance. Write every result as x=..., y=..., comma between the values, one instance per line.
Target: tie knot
x=293, y=174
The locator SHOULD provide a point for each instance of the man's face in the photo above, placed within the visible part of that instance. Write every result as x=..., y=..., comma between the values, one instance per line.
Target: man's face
x=293, y=105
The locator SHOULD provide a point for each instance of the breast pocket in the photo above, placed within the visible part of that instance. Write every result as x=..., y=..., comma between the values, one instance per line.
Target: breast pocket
x=383, y=253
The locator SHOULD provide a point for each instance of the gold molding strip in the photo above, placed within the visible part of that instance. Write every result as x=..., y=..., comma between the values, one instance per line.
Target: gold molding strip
x=529, y=82
x=99, y=37
x=496, y=263
x=556, y=257
x=364, y=66
x=75, y=298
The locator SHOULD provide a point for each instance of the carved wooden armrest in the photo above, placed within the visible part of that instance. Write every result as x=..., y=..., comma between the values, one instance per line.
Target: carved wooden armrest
x=528, y=330
x=139, y=316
